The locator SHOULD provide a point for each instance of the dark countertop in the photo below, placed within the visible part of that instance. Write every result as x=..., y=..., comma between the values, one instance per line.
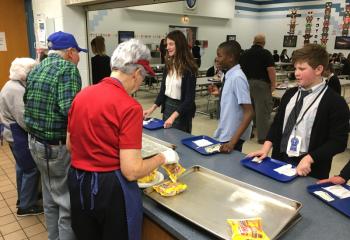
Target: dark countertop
x=319, y=221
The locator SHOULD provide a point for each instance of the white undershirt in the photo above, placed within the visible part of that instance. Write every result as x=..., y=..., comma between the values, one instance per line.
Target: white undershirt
x=305, y=126
x=173, y=86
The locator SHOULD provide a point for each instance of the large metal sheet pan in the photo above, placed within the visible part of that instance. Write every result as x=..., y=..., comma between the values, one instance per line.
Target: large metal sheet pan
x=152, y=146
x=211, y=198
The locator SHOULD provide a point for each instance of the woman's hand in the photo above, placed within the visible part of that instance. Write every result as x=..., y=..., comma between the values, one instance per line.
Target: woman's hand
x=169, y=122
x=147, y=113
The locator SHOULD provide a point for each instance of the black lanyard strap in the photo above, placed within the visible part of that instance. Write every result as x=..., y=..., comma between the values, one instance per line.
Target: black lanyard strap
x=307, y=109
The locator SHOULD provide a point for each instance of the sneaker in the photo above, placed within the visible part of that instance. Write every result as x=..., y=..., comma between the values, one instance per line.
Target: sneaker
x=36, y=210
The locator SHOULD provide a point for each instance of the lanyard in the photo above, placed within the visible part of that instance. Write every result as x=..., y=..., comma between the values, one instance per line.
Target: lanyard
x=307, y=109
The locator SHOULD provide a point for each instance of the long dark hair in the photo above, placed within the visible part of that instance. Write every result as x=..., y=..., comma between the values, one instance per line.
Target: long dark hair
x=182, y=59
x=98, y=46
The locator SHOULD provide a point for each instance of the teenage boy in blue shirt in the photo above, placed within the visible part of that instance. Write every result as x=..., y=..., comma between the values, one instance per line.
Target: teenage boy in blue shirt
x=236, y=111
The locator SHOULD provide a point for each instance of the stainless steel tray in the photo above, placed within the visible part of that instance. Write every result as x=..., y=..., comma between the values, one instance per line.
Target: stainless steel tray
x=211, y=198
x=152, y=146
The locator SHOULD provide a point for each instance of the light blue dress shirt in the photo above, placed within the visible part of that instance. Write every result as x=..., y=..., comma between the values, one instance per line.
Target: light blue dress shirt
x=234, y=93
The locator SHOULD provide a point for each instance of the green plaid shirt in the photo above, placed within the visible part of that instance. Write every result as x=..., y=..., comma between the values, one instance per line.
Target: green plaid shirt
x=51, y=87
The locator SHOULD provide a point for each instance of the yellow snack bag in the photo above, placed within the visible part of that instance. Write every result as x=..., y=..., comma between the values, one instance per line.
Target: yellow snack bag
x=169, y=188
x=174, y=170
x=247, y=229
x=148, y=178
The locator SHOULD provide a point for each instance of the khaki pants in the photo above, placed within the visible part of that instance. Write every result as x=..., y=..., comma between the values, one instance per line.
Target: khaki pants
x=260, y=93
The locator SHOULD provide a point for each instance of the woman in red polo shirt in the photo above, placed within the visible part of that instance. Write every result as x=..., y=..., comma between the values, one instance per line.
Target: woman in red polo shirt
x=178, y=89
x=105, y=137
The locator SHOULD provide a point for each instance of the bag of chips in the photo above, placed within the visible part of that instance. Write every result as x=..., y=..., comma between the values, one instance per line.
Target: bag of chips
x=169, y=188
x=247, y=229
x=148, y=178
x=174, y=170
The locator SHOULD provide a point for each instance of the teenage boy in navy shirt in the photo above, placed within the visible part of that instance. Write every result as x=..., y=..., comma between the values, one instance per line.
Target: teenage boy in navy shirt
x=312, y=122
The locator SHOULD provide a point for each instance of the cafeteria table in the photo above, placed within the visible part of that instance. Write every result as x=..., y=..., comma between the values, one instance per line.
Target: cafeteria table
x=319, y=221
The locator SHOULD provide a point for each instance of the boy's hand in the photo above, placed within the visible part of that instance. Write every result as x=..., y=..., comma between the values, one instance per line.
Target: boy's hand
x=334, y=180
x=261, y=154
x=227, y=147
x=304, y=166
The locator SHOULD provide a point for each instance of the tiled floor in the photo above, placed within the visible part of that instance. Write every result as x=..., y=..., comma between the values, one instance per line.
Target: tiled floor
x=33, y=227
x=11, y=226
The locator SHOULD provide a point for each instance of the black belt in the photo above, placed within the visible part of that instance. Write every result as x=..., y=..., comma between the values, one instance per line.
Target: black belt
x=51, y=142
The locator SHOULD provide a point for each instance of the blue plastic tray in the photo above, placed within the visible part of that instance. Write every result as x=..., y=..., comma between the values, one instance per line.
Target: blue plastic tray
x=267, y=167
x=342, y=205
x=155, y=124
x=189, y=143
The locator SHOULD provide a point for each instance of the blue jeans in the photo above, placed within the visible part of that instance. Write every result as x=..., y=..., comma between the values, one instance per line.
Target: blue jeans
x=27, y=184
x=53, y=162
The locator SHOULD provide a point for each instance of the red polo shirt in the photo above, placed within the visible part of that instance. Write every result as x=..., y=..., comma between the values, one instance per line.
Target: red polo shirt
x=102, y=120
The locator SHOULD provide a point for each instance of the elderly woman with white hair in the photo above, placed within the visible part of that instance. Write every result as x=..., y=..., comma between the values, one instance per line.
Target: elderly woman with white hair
x=105, y=138
x=12, y=116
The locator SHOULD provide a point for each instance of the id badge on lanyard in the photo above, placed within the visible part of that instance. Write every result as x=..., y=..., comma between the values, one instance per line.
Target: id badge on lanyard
x=294, y=144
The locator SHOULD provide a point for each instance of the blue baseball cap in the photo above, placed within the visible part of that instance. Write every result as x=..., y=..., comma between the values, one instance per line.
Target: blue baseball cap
x=62, y=40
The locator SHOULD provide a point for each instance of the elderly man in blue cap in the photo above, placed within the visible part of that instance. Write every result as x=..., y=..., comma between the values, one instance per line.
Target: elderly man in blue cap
x=51, y=87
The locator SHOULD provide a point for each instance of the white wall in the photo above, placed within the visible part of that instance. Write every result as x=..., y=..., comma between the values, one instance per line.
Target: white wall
x=67, y=19
x=204, y=8
x=151, y=27
x=275, y=24
x=245, y=23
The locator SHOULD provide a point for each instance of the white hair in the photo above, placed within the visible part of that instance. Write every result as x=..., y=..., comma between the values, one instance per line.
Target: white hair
x=20, y=68
x=59, y=52
x=127, y=54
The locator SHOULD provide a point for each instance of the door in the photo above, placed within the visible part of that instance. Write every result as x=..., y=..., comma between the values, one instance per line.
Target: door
x=13, y=24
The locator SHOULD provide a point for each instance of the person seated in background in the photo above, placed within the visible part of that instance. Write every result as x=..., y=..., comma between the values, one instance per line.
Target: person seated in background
x=333, y=58
x=312, y=121
x=340, y=57
x=196, y=52
x=236, y=110
x=213, y=70
x=100, y=63
x=291, y=76
x=342, y=178
x=284, y=57
x=332, y=79
x=162, y=50
x=12, y=116
x=276, y=57
x=346, y=66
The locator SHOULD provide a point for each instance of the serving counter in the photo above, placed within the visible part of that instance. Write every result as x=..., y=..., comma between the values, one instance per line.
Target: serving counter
x=319, y=221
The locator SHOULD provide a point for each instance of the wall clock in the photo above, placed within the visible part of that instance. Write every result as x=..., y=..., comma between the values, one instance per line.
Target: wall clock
x=191, y=3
